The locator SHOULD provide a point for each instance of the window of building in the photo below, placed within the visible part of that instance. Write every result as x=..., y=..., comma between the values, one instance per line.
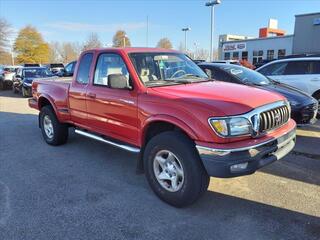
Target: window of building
x=281, y=53
x=270, y=54
x=257, y=56
x=244, y=55
x=235, y=55
x=227, y=56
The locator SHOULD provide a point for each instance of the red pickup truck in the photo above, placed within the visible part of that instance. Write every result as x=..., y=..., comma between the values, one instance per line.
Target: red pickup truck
x=159, y=104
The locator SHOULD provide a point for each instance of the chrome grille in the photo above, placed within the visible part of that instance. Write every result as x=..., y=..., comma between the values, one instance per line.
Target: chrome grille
x=273, y=118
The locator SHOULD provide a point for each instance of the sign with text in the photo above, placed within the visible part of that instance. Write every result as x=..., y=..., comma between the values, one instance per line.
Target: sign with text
x=231, y=47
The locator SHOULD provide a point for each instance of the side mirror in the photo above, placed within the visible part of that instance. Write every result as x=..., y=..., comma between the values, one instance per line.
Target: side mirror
x=118, y=81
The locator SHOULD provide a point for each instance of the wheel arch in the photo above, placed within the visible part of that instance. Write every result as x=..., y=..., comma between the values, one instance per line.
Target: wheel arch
x=156, y=125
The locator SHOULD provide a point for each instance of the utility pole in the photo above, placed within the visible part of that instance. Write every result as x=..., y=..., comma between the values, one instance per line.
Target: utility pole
x=185, y=30
x=147, y=37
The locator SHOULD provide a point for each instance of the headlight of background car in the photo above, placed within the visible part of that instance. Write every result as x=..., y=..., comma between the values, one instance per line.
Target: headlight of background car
x=230, y=127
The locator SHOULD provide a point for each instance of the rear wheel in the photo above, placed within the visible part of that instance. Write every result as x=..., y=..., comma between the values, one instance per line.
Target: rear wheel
x=24, y=92
x=1, y=85
x=14, y=90
x=53, y=132
x=174, y=169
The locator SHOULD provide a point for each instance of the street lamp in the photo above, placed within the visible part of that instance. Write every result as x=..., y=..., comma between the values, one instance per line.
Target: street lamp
x=185, y=30
x=124, y=40
x=211, y=4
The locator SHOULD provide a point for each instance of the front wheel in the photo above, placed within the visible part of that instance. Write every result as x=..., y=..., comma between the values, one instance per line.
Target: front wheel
x=174, y=170
x=53, y=132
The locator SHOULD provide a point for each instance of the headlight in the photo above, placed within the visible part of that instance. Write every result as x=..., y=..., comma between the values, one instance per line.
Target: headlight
x=230, y=127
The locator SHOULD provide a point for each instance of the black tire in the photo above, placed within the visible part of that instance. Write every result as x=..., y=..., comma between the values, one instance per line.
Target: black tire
x=60, y=131
x=196, y=179
x=14, y=90
x=24, y=92
x=2, y=86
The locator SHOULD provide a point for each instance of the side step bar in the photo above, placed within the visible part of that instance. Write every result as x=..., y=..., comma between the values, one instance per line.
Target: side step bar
x=98, y=138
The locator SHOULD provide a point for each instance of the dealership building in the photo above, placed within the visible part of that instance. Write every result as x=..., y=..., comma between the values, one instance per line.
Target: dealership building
x=274, y=43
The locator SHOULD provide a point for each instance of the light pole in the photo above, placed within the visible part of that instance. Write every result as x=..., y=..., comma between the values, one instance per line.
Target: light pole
x=185, y=30
x=211, y=4
x=124, y=40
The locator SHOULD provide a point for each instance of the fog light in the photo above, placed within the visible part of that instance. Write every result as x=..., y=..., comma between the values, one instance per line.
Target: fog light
x=239, y=167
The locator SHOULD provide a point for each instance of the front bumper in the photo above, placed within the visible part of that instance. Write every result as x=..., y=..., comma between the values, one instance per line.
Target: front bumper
x=243, y=161
x=306, y=114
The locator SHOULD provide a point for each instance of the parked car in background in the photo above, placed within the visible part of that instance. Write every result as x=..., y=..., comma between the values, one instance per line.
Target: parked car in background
x=301, y=73
x=55, y=68
x=1, y=78
x=22, y=81
x=159, y=104
x=68, y=70
x=304, y=108
x=31, y=65
x=235, y=62
x=197, y=61
x=8, y=73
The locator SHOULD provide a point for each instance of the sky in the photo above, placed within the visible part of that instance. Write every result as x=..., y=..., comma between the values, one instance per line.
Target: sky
x=74, y=20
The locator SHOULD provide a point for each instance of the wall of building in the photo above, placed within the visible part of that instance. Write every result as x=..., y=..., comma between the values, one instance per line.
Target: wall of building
x=260, y=46
x=307, y=34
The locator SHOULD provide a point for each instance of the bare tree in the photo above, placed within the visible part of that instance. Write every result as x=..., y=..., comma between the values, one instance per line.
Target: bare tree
x=120, y=39
x=164, y=43
x=5, y=33
x=70, y=51
x=93, y=41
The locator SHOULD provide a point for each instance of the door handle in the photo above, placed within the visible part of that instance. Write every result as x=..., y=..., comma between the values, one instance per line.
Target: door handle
x=91, y=95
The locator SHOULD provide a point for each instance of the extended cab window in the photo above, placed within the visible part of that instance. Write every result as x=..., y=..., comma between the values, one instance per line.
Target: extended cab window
x=109, y=63
x=84, y=68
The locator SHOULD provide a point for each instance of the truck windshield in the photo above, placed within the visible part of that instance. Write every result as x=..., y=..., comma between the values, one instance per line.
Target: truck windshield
x=158, y=69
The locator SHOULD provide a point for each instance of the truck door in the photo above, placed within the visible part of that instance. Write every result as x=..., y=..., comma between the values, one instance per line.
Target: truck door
x=78, y=90
x=112, y=112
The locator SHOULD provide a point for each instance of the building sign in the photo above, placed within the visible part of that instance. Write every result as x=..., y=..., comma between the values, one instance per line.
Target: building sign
x=231, y=47
x=316, y=21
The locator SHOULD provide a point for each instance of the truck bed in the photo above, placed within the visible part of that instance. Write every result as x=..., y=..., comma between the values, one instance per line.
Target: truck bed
x=56, y=90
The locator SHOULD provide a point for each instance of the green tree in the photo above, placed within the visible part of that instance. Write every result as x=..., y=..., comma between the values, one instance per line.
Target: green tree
x=164, y=43
x=120, y=39
x=30, y=46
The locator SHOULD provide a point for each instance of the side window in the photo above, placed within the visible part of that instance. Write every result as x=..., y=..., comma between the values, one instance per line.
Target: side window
x=69, y=67
x=315, y=67
x=297, y=67
x=222, y=76
x=84, y=68
x=107, y=64
x=274, y=69
x=208, y=72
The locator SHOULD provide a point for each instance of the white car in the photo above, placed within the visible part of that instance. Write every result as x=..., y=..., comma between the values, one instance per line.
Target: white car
x=302, y=73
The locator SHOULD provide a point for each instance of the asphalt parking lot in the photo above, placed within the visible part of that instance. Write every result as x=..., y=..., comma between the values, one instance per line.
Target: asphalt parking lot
x=88, y=190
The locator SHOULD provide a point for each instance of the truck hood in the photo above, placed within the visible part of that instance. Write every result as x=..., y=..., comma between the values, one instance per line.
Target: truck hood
x=221, y=97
